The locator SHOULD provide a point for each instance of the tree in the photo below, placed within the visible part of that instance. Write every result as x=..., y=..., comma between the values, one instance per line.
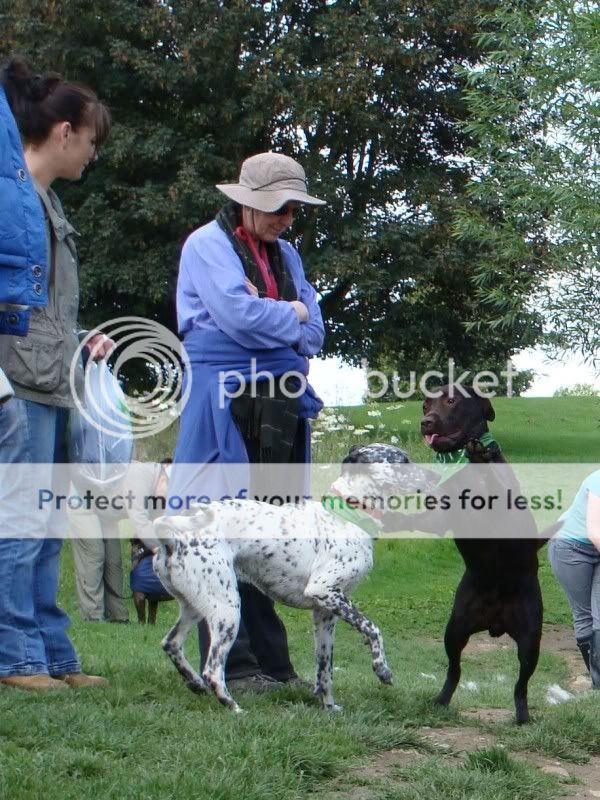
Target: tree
x=365, y=93
x=578, y=390
x=533, y=105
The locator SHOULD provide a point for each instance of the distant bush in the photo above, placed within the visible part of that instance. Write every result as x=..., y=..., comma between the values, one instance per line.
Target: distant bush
x=578, y=390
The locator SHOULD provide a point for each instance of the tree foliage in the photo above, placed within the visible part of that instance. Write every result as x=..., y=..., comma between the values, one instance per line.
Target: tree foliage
x=365, y=93
x=534, y=103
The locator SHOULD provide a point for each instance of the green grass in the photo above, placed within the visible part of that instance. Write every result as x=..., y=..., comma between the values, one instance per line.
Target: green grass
x=148, y=737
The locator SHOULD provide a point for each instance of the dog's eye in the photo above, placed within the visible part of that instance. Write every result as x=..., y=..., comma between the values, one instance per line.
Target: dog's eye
x=450, y=400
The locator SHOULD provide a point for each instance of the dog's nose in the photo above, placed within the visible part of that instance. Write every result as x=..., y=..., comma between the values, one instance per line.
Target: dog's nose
x=428, y=424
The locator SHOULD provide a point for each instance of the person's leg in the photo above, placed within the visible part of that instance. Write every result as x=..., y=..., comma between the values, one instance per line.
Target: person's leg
x=266, y=632
x=575, y=567
x=116, y=610
x=594, y=644
x=27, y=435
x=88, y=560
x=63, y=662
x=52, y=620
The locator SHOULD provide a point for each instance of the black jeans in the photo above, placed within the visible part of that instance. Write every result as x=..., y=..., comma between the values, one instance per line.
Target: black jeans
x=261, y=645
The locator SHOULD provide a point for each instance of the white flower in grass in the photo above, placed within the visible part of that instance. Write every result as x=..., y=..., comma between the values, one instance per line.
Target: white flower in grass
x=317, y=434
x=349, y=427
x=374, y=413
x=394, y=439
x=360, y=431
x=370, y=427
x=381, y=426
x=406, y=422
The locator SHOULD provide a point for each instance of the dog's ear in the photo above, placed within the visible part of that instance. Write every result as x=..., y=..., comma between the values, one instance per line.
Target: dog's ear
x=488, y=411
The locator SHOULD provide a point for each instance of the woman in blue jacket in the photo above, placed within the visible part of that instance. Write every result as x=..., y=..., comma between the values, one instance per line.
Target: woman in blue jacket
x=249, y=318
x=61, y=125
x=23, y=267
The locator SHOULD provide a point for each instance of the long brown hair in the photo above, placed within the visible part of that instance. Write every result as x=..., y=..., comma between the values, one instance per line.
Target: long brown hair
x=39, y=102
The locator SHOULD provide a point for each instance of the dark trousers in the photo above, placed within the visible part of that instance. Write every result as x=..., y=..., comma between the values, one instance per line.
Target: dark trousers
x=261, y=645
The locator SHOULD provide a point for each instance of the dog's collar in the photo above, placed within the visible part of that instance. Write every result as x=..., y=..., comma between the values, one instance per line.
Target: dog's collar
x=364, y=517
x=454, y=460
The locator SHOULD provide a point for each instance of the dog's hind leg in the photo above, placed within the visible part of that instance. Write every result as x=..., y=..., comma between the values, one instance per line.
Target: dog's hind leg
x=152, y=609
x=173, y=645
x=223, y=631
x=526, y=630
x=455, y=639
x=529, y=651
x=337, y=603
x=324, y=634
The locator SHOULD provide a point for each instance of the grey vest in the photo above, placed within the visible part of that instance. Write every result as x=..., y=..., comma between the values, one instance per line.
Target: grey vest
x=38, y=365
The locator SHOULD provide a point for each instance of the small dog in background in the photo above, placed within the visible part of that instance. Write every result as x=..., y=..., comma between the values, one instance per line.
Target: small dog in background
x=305, y=556
x=145, y=585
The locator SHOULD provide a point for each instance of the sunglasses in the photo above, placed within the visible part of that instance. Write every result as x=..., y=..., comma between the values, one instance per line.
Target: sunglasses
x=285, y=210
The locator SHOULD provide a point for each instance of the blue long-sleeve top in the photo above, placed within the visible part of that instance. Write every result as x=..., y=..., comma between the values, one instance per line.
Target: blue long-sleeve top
x=212, y=294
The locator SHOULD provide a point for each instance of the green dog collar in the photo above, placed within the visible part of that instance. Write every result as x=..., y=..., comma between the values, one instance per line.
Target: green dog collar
x=453, y=461
x=342, y=509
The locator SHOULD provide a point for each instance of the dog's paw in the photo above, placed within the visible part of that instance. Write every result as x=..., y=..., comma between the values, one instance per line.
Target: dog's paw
x=478, y=453
x=198, y=687
x=333, y=708
x=385, y=675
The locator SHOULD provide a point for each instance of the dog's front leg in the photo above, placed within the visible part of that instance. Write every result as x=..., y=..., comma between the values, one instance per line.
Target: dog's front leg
x=336, y=602
x=324, y=635
x=428, y=521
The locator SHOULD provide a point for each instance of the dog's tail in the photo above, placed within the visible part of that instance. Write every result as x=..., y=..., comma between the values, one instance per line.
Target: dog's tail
x=547, y=534
x=167, y=528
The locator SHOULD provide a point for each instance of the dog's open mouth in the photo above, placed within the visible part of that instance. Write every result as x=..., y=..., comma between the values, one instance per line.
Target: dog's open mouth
x=443, y=442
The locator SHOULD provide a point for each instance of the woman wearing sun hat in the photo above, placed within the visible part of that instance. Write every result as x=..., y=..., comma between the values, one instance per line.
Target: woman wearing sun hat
x=243, y=298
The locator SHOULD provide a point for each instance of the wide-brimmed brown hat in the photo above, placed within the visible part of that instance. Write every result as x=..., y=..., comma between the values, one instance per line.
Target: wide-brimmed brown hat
x=268, y=181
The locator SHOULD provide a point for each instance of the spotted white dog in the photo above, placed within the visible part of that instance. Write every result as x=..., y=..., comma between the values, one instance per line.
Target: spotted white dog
x=303, y=555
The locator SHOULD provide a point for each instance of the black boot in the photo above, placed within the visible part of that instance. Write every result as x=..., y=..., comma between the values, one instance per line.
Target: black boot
x=595, y=660
x=584, y=646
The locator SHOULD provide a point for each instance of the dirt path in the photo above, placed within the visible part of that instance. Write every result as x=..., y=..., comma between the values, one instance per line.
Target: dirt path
x=454, y=743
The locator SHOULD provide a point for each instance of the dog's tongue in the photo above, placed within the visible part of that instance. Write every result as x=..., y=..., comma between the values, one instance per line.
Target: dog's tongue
x=430, y=438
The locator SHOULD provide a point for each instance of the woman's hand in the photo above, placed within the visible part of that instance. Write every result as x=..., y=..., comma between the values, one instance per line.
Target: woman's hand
x=298, y=306
x=251, y=288
x=99, y=346
x=300, y=309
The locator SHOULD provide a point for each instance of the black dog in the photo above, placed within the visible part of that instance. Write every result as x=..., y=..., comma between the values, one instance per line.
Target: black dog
x=499, y=591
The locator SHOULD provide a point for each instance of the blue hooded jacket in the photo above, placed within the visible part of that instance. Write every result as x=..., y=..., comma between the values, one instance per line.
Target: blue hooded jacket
x=23, y=242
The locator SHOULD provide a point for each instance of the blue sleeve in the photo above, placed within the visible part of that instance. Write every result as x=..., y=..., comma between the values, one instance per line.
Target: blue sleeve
x=211, y=272
x=312, y=333
x=592, y=483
